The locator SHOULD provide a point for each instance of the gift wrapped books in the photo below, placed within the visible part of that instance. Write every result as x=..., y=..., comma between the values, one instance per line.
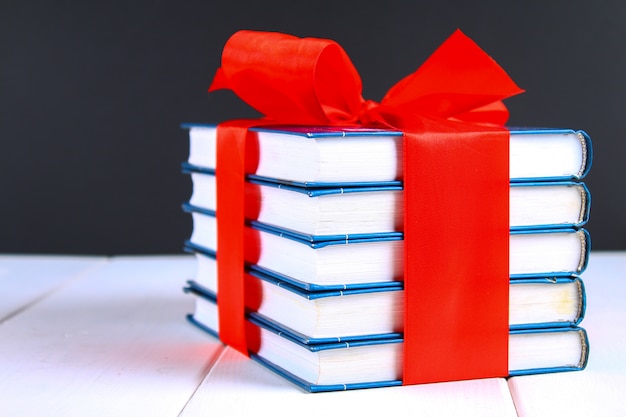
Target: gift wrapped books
x=361, y=253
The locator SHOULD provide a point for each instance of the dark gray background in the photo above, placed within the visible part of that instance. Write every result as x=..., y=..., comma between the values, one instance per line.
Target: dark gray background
x=92, y=95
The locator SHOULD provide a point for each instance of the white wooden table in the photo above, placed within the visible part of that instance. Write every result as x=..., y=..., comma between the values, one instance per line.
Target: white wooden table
x=90, y=336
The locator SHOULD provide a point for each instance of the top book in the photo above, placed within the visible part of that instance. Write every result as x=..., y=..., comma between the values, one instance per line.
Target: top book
x=339, y=155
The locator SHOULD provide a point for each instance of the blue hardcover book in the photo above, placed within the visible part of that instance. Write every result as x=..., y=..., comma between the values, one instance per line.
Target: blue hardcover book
x=329, y=155
x=378, y=362
x=375, y=259
x=365, y=208
x=364, y=313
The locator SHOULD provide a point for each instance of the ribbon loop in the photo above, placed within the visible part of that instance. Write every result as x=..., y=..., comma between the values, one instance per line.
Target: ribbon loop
x=304, y=81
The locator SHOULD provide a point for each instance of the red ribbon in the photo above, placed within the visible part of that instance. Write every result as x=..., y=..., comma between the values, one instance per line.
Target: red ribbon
x=456, y=186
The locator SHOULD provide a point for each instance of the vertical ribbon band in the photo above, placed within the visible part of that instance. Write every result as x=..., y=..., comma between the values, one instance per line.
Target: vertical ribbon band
x=456, y=186
x=456, y=237
x=236, y=154
x=229, y=176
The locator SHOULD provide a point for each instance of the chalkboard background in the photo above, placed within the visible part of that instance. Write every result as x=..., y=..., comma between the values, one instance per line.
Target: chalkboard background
x=92, y=95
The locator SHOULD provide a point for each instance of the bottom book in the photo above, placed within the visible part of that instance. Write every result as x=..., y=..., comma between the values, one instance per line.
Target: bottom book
x=370, y=363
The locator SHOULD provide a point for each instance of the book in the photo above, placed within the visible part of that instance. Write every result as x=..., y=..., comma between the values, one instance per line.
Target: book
x=362, y=260
x=327, y=155
x=335, y=315
x=373, y=209
x=378, y=362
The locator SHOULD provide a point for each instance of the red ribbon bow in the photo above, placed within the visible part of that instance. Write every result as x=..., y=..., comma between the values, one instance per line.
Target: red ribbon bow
x=456, y=185
x=312, y=81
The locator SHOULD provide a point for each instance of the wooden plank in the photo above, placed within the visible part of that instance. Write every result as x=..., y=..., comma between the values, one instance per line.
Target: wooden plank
x=27, y=279
x=114, y=342
x=237, y=386
x=599, y=389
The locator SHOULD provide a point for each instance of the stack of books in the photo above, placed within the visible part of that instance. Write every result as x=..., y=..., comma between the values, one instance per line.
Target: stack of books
x=324, y=251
